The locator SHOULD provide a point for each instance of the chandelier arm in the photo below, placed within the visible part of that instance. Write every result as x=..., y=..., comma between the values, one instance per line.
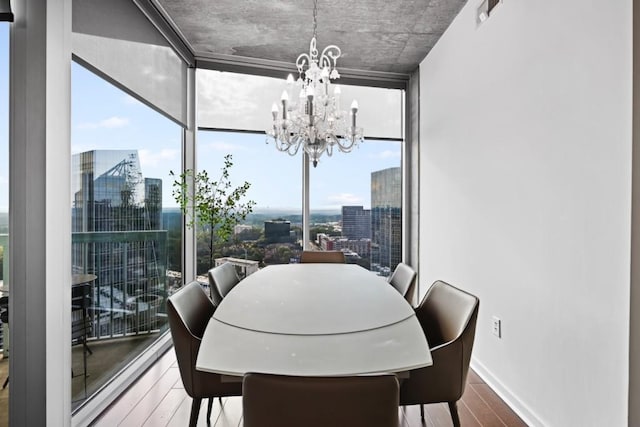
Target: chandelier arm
x=297, y=142
x=329, y=56
x=333, y=140
x=346, y=148
x=315, y=121
x=329, y=150
x=302, y=61
x=313, y=50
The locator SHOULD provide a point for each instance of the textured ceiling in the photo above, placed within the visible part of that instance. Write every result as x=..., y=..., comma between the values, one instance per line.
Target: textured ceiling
x=374, y=35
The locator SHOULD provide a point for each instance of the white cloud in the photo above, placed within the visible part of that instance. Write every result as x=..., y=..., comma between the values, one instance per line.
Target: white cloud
x=109, y=123
x=236, y=100
x=224, y=146
x=344, y=199
x=386, y=154
x=150, y=158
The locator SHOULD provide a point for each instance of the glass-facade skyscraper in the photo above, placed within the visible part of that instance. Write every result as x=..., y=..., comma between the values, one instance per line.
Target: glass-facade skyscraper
x=386, y=219
x=118, y=236
x=356, y=222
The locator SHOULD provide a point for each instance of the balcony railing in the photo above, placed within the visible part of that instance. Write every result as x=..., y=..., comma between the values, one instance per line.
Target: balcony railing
x=130, y=289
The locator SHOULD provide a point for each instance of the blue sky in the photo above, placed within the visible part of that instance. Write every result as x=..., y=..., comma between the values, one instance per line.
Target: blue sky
x=104, y=117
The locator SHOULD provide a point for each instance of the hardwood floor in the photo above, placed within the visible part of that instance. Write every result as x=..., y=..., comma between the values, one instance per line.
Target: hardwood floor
x=158, y=399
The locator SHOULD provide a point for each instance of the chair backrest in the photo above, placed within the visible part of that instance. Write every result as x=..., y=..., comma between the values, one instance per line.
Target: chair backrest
x=404, y=280
x=283, y=401
x=189, y=311
x=221, y=280
x=323, y=257
x=446, y=313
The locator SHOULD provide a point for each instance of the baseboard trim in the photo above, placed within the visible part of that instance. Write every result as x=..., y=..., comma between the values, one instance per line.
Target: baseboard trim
x=520, y=408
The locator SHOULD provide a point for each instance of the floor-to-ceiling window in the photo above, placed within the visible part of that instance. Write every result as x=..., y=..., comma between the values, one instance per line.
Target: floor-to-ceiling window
x=4, y=219
x=355, y=198
x=126, y=241
x=369, y=209
x=271, y=233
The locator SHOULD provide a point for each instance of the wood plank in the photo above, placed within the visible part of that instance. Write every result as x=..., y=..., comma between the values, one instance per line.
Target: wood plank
x=231, y=413
x=182, y=414
x=501, y=409
x=439, y=413
x=158, y=398
x=411, y=414
x=145, y=407
x=167, y=407
x=479, y=408
x=474, y=378
x=402, y=416
x=119, y=409
x=467, y=419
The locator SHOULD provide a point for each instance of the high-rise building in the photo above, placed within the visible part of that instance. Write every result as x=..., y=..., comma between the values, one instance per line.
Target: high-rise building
x=277, y=231
x=356, y=222
x=386, y=219
x=117, y=235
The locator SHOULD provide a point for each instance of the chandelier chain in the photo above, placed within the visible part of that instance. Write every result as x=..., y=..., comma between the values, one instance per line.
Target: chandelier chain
x=315, y=17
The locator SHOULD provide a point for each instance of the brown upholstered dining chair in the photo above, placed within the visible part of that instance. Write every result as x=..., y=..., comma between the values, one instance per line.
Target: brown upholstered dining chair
x=322, y=257
x=287, y=401
x=404, y=280
x=221, y=280
x=448, y=318
x=189, y=311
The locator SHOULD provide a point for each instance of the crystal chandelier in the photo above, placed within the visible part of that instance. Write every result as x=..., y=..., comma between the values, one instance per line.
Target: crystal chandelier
x=312, y=118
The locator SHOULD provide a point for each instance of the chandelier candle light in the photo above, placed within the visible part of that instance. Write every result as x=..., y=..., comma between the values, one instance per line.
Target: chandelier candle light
x=313, y=118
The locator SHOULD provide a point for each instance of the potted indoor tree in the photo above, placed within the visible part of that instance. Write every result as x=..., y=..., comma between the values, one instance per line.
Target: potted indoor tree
x=212, y=205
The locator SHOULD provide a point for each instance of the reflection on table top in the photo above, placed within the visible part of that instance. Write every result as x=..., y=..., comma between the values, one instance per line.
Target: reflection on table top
x=313, y=319
x=313, y=299
x=79, y=279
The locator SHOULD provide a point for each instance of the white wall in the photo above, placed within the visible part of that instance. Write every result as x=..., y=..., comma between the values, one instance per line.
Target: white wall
x=525, y=164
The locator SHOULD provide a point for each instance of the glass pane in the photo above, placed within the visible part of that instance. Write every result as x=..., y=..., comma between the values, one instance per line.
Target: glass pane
x=359, y=197
x=243, y=102
x=380, y=112
x=236, y=101
x=345, y=188
x=116, y=38
x=4, y=217
x=271, y=234
x=127, y=240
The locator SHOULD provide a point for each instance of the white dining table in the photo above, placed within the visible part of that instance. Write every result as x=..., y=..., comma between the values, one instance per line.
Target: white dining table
x=313, y=320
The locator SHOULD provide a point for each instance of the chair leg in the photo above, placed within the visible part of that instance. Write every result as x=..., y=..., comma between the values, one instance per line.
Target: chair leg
x=209, y=408
x=453, y=408
x=195, y=410
x=5, y=383
x=422, y=412
x=220, y=399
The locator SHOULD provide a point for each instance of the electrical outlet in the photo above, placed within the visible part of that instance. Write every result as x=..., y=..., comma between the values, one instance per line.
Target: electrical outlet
x=496, y=326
